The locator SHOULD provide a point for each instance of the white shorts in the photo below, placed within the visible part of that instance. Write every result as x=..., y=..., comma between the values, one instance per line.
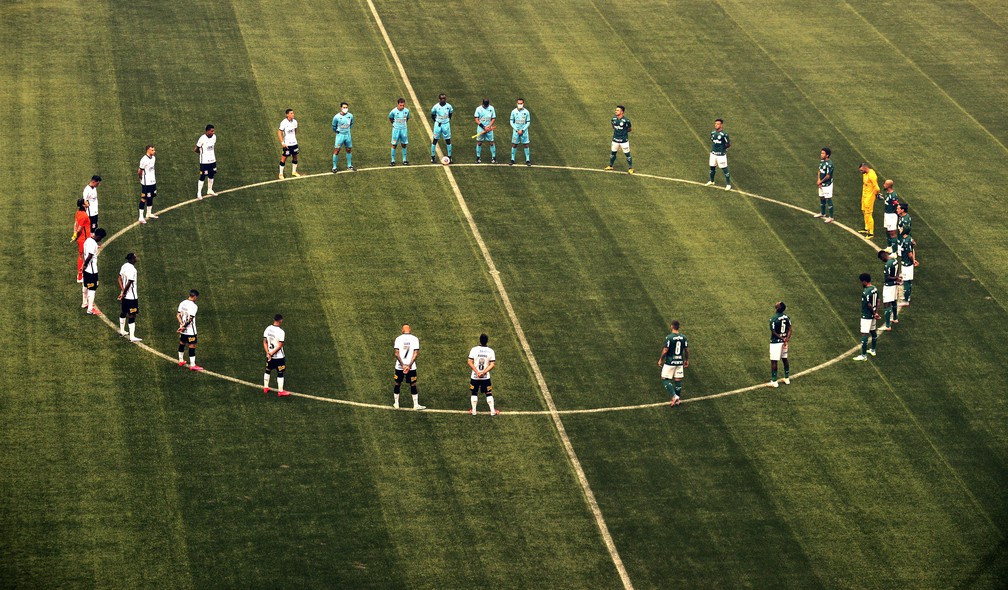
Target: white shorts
x=720, y=161
x=826, y=192
x=889, y=221
x=778, y=351
x=672, y=372
x=888, y=293
x=625, y=146
x=908, y=273
x=867, y=325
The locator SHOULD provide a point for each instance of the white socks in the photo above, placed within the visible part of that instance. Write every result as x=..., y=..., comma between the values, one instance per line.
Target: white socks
x=209, y=186
x=122, y=325
x=90, y=300
x=199, y=189
x=266, y=377
x=132, y=330
x=473, y=400
x=416, y=399
x=280, y=381
x=490, y=403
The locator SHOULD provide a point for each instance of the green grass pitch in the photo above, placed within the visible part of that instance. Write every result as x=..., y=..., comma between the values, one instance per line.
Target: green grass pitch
x=118, y=469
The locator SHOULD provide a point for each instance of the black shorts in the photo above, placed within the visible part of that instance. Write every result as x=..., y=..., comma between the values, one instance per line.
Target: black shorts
x=277, y=364
x=187, y=339
x=129, y=306
x=94, y=222
x=478, y=385
x=400, y=374
x=207, y=170
x=291, y=150
x=90, y=280
x=148, y=191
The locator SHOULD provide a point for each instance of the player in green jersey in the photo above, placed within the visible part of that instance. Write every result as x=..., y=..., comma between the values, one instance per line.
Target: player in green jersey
x=720, y=142
x=891, y=273
x=908, y=259
x=825, y=183
x=780, y=336
x=674, y=358
x=869, y=314
x=903, y=222
x=890, y=218
x=620, y=139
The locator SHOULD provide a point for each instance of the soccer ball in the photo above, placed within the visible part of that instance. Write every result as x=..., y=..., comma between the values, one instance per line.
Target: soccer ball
x=445, y=160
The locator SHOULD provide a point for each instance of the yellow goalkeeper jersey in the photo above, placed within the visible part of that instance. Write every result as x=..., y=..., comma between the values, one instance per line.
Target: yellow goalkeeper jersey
x=869, y=185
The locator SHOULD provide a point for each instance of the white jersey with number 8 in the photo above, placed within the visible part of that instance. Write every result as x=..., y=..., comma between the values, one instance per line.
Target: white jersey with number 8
x=482, y=356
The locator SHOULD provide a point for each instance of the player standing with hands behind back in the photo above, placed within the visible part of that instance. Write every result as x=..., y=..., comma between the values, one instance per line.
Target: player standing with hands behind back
x=287, y=132
x=481, y=361
x=205, y=147
x=825, y=183
x=673, y=361
x=406, y=348
x=276, y=358
x=148, y=184
x=720, y=142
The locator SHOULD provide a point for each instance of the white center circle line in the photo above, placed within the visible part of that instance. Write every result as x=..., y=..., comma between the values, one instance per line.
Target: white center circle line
x=333, y=400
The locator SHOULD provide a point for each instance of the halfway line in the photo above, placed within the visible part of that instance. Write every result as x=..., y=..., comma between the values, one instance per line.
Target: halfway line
x=568, y=447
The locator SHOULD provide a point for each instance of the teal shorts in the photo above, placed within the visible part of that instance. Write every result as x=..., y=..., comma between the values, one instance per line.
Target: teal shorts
x=519, y=139
x=399, y=136
x=442, y=131
x=488, y=136
x=343, y=140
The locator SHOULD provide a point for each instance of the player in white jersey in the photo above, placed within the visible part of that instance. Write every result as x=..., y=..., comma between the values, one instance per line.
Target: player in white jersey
x=406, y=348
x=481, y=361
x=91, y=200
x=287, y=132
x=205, y=146
x=90, y=271
x=186, y=317
x=276, y=357
x=129, y=304
x=148, y=184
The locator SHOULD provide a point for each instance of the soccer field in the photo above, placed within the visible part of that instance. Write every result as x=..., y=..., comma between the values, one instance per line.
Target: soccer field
x=121, y=469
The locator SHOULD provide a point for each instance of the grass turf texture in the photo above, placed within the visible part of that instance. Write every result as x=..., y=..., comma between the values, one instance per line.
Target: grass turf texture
x=119, y=469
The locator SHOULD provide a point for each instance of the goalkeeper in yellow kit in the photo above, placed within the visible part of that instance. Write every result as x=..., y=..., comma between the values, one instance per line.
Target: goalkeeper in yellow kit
x=869, y=192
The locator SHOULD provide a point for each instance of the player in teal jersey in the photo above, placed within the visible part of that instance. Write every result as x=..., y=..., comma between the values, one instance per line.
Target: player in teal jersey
x=441, y=114
x=908, y=259
x=891, y=274
x=890, y=219
x=825, y=183
x=720, y=142
x=621, y=129
x=398, y=117
x=673, y=360
x=520, y=119
x=486, y=119
x=869, y=314
x=780, y=336
x=341, y=124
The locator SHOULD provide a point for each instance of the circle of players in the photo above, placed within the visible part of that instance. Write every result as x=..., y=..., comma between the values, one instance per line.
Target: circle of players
x=898, y=258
